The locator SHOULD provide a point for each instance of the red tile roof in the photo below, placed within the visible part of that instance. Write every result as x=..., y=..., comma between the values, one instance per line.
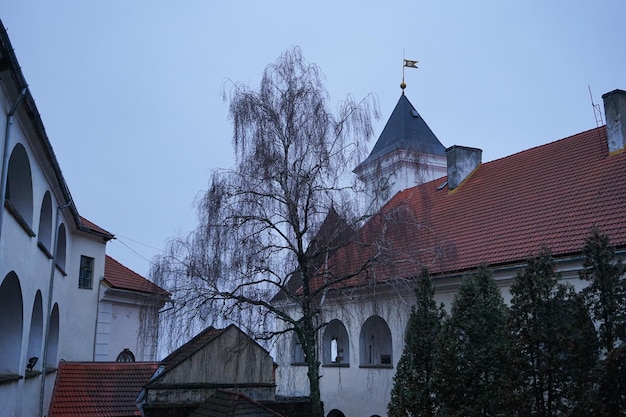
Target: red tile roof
x=94, y=228
x=99, y=389
x=549, y=195
x=119, y=276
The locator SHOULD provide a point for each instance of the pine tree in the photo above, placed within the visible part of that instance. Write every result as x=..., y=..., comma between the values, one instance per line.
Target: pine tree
x=471, y=372
x=553, y=346
x=413, y=392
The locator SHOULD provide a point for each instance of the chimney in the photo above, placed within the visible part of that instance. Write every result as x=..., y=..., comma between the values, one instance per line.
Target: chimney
x=462, y=160
x=615, y=113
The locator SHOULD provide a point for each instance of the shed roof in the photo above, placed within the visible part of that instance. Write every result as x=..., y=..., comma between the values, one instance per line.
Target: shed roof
x=506, y=209
x=99, y=389
x=232, y=404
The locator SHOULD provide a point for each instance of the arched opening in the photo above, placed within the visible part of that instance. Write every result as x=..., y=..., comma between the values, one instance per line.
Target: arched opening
x=375, y=343
x=11, y=324
x=61, y=247
x=19, y=186
x=53, y=338
x=35, y=336
x=45, y=222
x=335, y=344
x=335, y=413
x=297, y=353
x=125, y=356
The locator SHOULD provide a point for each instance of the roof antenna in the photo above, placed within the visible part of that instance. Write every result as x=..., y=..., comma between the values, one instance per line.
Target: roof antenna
x=406, y=63
x=597, y=112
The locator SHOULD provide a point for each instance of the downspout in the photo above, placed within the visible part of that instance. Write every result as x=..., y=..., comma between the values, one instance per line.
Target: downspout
x=5, y=154
x=44, y=354
x=95, y=332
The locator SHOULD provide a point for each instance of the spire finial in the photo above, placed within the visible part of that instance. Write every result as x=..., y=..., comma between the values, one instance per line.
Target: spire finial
x=407, y=63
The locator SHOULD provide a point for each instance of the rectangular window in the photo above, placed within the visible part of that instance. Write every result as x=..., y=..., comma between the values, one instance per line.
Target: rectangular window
x=85, y=277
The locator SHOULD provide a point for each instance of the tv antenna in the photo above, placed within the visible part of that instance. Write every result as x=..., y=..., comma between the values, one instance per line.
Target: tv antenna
x=597, y=112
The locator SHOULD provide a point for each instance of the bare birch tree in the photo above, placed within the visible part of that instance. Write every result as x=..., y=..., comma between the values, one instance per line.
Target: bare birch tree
x=258, y=250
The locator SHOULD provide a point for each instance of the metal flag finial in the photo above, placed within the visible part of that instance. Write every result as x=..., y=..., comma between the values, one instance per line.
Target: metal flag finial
x=410, y=64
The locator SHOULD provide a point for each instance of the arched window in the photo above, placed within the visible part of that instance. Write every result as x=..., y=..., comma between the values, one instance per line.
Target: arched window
x=35, y=336
x=53, y=338
x=297, y=353
x=61, y=248
x=335, y=413
x=375, y=343
x=11, y=324
x=125, y=356
x=19, y=187
x=335, y=344
x=45, y=223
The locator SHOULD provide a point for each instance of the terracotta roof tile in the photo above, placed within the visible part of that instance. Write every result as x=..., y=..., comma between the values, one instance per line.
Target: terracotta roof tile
x=506, y=209
x=121, y=277
x=92, y=227
x=99, y=389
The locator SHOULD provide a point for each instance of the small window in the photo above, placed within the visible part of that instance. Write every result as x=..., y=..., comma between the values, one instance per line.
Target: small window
x=125, y=356
x=85, y=278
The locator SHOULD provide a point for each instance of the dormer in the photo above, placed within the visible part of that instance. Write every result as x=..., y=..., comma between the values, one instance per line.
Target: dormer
x=406, y=154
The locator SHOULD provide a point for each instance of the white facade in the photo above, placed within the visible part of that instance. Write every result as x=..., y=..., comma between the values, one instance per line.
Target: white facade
x=48, y=297
x=360, y=385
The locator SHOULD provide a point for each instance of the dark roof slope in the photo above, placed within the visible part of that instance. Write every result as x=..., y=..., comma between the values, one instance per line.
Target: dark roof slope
x=405, y=129
x=99, y=389
x=549, y=195
x=120, y=277
x=232, y=404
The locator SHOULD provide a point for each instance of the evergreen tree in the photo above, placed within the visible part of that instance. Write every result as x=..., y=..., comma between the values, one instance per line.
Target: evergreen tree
x=606, y=294
x=471, y=372
x=605, y=298
x=553, y=346
x=413, y=392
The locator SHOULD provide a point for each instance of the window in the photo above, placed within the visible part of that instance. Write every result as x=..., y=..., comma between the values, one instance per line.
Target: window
x=297, y=353
x=335, y=346
x=375, y=343
x=85, y=278
x=125, y=356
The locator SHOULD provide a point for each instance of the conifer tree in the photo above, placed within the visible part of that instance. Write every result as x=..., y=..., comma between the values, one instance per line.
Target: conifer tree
x=471, y=370
x=413, y=392
x=553, y=345
x=606, y=294
x=605, y=298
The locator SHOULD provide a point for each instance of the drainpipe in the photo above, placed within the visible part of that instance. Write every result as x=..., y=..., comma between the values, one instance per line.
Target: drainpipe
x=5, y=154
x=44, y=355
x=95, y=332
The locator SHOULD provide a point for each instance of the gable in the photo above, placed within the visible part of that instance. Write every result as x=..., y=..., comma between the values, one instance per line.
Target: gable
x=231, y=357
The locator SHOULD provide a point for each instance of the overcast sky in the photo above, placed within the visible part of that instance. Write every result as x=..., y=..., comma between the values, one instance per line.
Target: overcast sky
x=130, y=92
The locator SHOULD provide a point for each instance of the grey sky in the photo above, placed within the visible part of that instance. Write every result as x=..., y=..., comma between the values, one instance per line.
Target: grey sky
x=130, y=91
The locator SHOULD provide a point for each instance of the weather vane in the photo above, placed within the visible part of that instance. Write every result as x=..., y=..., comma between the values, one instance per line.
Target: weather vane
x=410, y=64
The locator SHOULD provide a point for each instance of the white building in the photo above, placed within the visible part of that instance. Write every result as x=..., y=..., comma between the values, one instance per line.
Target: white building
x=51, y=259
x=496, y=213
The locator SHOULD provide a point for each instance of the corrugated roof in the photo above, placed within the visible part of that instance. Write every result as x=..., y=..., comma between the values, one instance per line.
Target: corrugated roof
x=120, y=277
x=405, y=129
x=99, y=389
x=549, y=195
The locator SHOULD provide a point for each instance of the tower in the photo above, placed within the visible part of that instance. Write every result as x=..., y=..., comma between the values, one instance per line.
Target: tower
x=406, y=154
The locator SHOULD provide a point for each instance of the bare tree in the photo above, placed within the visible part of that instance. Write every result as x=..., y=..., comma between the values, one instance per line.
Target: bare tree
x=267, y=226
